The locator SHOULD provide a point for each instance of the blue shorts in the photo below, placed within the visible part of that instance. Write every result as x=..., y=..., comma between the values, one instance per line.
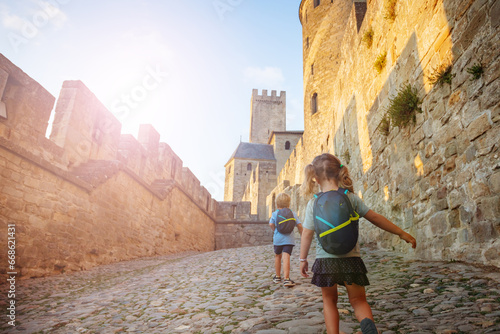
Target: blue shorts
x=283, y=248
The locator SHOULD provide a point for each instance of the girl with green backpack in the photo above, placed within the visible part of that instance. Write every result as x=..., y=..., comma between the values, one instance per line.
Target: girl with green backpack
x=333, y=214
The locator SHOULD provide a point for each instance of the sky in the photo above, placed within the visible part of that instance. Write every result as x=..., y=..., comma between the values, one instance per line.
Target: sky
x=186, y=67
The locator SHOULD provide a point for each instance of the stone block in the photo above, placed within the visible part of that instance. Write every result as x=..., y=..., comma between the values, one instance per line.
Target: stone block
x=470, y=153
x=449, y=165
x=441, y=205
x=463, y=236
x=442, y=192
x=473, y=27
x=438, y=223
x=453, y=218
x=479, y=126
x=451, y=149
x=487, y=142
x=462, y=142
x=494, y=183
x=456, y=101
x=430, y=149
x=482, y=231
x=456, y=198
x=492, y=254
x=495, y=113
x=465, y=216
x=490, y=208
x=478, y=189
x=435, y=179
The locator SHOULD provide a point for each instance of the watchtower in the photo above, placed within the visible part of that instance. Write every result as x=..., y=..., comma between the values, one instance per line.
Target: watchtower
x=268, y=114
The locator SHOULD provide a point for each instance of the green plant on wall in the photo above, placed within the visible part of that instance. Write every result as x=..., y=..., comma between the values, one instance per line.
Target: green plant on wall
x=404, y=106
x=368, y=37
x=476, y=70
x=390, y=10
x=385, y=125
x=442, y=75
x=380, y=62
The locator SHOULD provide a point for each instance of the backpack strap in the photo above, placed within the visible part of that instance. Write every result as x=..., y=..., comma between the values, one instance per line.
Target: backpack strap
x=281, y=222
x=343, y=192
x=333, y=229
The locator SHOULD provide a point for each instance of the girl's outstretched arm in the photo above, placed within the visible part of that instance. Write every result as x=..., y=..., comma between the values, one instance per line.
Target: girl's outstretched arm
x=384, y=223
x=305, y=244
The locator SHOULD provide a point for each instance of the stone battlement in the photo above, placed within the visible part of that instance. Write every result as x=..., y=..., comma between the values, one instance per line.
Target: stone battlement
x=90, y=195
x=265, y=97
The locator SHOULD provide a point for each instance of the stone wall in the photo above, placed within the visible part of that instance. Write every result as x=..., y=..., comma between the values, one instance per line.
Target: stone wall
x=237, y=227
x=262, y=181
x=438, y=178
x=279, y=141
x=90, y=195
x=242, y=234
x=239, y=176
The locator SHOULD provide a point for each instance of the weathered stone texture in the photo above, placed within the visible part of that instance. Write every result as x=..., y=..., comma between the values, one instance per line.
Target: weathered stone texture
x=436, y=178
x=284, y=143
x=242, y=234
x=237, y=227
x=94, y=196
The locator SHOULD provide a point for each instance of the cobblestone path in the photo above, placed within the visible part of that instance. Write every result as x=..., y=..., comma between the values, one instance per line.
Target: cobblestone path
x=231, y=291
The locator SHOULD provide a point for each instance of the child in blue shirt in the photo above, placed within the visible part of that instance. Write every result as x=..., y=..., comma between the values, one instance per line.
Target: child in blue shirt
x=283, y=243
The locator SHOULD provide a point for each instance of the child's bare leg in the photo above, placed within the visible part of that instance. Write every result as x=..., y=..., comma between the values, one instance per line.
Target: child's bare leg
x=277, y=264
x=330, y=309
x=357, y=298
x=286, y=265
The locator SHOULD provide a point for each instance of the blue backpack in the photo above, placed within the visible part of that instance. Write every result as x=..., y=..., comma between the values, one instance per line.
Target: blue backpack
x=335, y=222
x=285, y=221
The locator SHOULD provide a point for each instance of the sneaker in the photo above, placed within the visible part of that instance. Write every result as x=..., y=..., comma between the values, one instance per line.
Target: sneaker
x=276, y=279
x=288, y=282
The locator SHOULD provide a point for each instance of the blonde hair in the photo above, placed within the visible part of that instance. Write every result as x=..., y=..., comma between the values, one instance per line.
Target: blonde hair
x=283, y=201
x=326, y=166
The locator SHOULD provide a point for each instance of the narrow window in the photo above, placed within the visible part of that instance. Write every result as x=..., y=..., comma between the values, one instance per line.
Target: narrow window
x=229, y=170
x=287, y=145
x=316, y=3
x=314, y=103
x=307, y=43
x=312, y=69
x=249, y=166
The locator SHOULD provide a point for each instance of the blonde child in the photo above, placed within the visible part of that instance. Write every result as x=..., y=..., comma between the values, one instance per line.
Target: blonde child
x=349, y=269
x=283, y=242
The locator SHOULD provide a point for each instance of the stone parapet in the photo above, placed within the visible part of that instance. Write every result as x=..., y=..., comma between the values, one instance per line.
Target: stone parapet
x=90, y=195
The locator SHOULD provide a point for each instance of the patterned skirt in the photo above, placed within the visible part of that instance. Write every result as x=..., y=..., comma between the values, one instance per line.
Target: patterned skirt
x=331, y=271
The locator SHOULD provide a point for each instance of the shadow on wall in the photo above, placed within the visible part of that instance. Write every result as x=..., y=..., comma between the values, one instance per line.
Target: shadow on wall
x=435, y=175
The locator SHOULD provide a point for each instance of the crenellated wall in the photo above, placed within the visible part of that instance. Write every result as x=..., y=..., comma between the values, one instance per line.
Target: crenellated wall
x=90, y=195
x=438, y=178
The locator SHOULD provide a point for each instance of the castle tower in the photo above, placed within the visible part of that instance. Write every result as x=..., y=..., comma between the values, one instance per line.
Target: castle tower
x=268, y=114
x=323, y=26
